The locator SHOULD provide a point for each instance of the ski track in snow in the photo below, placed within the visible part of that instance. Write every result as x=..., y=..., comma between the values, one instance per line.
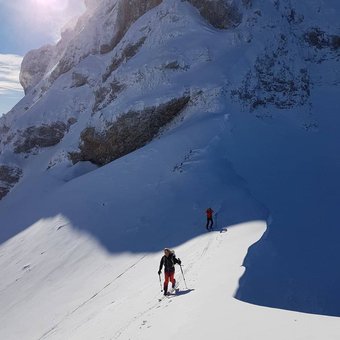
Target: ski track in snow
x=90, y=299
x=214, y=241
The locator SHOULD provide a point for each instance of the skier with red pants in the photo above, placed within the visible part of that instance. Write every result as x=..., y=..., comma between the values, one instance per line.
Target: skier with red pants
x=168, y=261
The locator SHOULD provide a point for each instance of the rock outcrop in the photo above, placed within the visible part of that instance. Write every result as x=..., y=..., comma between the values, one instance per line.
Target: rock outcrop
x=34, y=66
x=9, y=176
x=129, y=132
x=40, y=136
x=128, y=13
x=320, y=39
x=124, y=14
x=274, y=82
x=219, y=13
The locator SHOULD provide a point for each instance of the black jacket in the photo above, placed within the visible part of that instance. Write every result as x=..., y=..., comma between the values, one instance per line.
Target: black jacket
x=169, y=263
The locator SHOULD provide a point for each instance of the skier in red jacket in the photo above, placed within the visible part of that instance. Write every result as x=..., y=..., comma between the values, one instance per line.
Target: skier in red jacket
x=210, y=221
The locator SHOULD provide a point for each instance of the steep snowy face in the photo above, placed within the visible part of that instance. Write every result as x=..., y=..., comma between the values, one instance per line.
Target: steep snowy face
x=115, y=79
x=286, y=151
x=294, y=38
x=98, y=31
x=111, y=19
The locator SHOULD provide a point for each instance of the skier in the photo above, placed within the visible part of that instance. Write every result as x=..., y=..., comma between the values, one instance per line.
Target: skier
x=210, y=221
x=168, y=260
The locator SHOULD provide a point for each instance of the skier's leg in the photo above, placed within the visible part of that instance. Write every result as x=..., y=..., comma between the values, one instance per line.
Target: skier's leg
x=166, y=281
x=172, y=279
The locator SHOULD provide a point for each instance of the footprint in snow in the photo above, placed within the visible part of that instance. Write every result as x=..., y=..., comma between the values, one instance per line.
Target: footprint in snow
x=27, y=267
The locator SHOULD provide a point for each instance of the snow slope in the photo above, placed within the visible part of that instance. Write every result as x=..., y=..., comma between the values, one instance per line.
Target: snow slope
x=289, y=157
x=87, y=268
x=80, y=245
x=73, y=239
x=295, y=262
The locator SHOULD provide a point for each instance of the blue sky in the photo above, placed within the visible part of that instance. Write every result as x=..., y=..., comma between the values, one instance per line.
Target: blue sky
x=27, y=25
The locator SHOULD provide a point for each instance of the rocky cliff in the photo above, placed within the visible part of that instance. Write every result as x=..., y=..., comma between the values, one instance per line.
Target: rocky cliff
x=129, y=58
x=93, y=74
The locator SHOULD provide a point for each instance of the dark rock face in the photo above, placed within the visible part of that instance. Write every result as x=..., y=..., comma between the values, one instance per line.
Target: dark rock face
x=273, y=82
x=322, y=45
x=219, y=13
x=129, y=51
x=40, y=136
x=247, y=3
x=111, y=88
x=64, y=65
x=9, y=176
x=128, y=133
x=106, y=94
x=4, y=129
x=320, y=39
x=281, y=88
x=6, y=136
x=78, y=79
x=128, y=13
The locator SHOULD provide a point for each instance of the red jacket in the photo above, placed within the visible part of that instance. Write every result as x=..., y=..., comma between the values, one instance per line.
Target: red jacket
x=209, y=212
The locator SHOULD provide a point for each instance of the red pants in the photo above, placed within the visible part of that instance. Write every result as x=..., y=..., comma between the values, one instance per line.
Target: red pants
x=169, y=276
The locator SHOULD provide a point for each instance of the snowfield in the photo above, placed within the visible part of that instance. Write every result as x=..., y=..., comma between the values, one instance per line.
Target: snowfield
x=87, y=269
x=100, y=296
x=257, y=142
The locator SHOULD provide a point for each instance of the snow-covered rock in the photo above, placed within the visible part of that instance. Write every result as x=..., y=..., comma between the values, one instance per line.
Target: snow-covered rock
x=101, y=68
x=131, y=131
x=9, y=176
x=34, y=66
x=220, y=13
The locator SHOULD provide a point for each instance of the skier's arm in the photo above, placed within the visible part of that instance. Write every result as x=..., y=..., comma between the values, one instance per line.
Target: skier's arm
x=176, y=260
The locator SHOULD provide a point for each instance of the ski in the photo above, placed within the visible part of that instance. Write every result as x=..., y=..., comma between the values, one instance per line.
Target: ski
x=172, y=292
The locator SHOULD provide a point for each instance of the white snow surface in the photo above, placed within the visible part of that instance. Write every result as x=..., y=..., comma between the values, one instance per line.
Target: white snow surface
x=80, y=246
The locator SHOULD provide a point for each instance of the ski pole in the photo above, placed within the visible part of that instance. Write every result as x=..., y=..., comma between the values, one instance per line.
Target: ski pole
x=160, y=282
x=183, y=277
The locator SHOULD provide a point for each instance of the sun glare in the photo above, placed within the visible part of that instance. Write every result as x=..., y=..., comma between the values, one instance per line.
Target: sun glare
x=51, y=5
x=47, y=18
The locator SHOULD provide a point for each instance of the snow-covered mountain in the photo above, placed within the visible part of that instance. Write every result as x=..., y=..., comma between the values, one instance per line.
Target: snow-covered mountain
x=143, y=115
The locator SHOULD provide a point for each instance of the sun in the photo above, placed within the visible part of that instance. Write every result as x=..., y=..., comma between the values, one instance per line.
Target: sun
x=48, y=18
x=51, y=5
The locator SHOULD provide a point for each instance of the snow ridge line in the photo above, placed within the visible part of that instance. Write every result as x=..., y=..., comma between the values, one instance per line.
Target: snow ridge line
x=51, y=330
x=187, y=268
